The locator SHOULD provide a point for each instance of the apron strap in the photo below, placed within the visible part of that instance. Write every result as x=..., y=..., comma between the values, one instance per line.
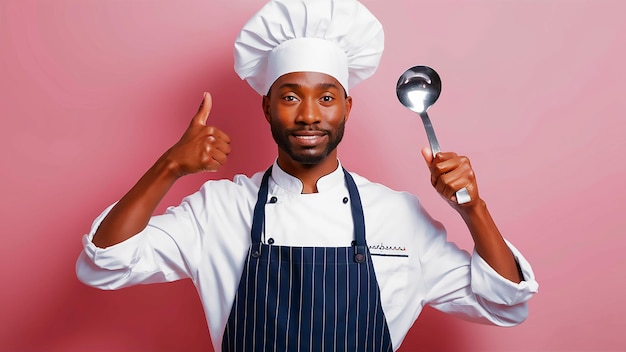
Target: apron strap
x=258, y=217
x=356, y=208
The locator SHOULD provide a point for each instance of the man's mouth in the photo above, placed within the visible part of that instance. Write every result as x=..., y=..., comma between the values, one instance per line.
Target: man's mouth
x=309, y=138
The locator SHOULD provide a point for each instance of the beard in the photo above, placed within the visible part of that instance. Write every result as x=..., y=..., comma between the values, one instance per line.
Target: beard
x=308, y=155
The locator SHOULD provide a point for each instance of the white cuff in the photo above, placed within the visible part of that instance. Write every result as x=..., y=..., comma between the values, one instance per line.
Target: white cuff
x=490, y=285
x=119, y=256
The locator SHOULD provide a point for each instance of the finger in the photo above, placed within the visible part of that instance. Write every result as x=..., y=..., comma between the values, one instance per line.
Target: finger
x=461, y=177
x=213, y=159
x=438, y=169
x=217, y=149
x=445, y=162
x=220, y=145
x=218, y=134
x=427, y=153
x=220, y=157
x=444, y=156
x=449, y=183
x=204, y=110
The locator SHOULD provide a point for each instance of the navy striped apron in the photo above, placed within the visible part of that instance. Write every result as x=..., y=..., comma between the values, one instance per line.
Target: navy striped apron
x=307, y=298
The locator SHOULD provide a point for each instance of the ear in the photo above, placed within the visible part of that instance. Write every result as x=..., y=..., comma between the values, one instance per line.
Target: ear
x=266, y=108
x=348, y=107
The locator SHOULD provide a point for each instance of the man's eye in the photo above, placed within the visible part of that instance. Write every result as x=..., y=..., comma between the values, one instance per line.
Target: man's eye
x=327, y=98
x=290, y=98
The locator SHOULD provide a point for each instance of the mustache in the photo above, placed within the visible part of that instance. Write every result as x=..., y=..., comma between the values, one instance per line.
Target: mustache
x=308, y=128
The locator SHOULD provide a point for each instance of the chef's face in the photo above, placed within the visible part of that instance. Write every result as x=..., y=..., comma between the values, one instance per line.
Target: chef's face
x=307, y=112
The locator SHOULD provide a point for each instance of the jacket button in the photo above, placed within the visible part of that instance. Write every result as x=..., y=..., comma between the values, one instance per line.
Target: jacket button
x=270, y=241
x=359, y=258
x=345, y=200
x=256, y=254
x=273, y=200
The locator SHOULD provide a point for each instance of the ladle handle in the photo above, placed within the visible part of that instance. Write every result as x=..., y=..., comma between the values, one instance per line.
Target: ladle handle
x=430, y=133
x=462, y=195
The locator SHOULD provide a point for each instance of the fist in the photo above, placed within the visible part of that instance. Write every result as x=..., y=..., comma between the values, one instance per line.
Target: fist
x=449, y=173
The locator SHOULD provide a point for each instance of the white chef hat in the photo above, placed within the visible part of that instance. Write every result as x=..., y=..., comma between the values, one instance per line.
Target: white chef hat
x=340, y=38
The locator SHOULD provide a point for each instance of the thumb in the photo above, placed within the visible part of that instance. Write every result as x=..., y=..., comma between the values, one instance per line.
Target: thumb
x=427, y=153
x=203, y=111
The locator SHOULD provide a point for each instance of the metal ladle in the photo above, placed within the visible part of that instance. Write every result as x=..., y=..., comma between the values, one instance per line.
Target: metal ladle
x=418, y=88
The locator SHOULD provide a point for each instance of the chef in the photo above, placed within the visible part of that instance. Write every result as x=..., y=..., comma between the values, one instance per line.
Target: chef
x=306, y=255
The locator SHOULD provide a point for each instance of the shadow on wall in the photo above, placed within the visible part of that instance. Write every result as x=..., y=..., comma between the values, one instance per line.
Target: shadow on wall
x=436, y=331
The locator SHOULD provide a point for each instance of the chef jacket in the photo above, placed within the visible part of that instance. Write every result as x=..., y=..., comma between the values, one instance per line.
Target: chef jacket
x=206, y=238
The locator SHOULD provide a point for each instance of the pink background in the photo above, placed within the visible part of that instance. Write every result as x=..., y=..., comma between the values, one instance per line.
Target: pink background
x=92, y=92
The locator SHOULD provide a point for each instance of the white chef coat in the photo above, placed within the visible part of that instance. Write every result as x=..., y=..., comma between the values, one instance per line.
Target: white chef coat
x=206, y=238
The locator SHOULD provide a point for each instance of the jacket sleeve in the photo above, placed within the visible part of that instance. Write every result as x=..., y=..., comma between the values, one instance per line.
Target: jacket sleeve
x=166, y=250
x=466, y=286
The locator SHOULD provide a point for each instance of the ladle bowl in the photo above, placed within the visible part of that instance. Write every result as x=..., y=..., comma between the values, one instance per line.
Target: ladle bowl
x=418, y=88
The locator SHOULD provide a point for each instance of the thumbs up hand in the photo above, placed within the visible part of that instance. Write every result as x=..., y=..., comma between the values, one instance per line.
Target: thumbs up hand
x=202, y=147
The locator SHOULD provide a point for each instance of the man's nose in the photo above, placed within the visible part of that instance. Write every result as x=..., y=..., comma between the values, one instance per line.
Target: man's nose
x=309, y=112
